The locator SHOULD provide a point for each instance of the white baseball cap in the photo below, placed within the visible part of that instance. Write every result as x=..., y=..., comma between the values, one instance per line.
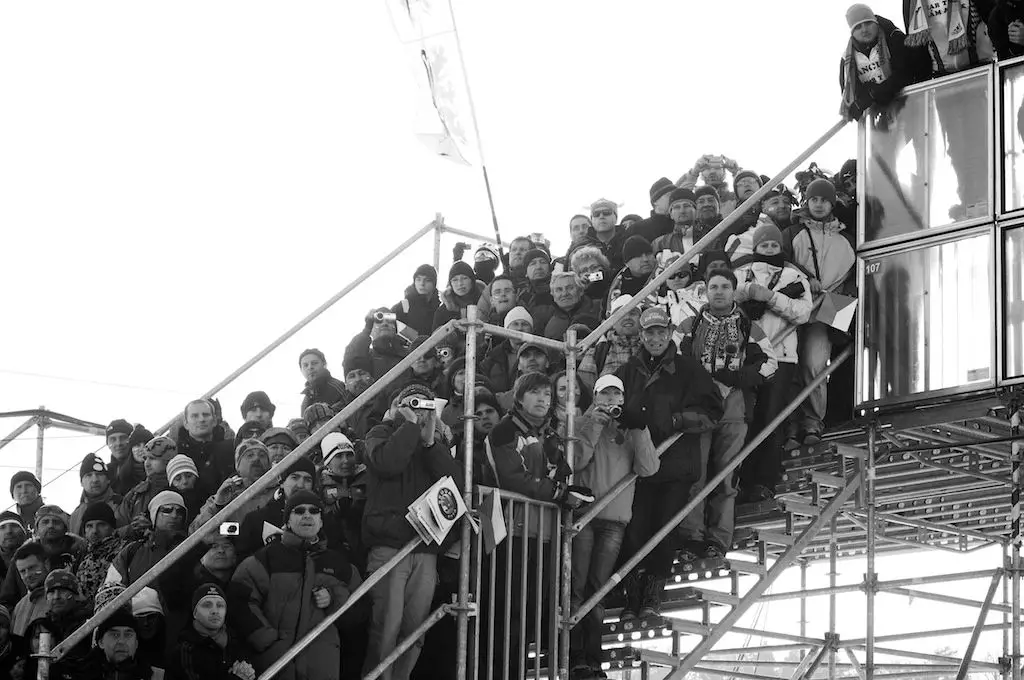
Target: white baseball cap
x=620, y=302
x=606, y=381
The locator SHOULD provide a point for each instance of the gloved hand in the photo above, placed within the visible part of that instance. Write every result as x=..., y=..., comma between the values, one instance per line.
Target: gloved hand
x=459, y=250
x=794, y=291
x=690, y=421
x=575, y=496
x=747, y=377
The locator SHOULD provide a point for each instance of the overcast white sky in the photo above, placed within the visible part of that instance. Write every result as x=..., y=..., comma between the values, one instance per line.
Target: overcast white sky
x=181, y=182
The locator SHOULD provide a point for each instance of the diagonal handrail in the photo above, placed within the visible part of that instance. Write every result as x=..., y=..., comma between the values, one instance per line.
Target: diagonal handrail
x=256, y=488
x=701, y=245
x=711, y=485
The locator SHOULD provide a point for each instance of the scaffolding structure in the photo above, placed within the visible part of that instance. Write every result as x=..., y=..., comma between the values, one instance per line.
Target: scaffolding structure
x=941, y=474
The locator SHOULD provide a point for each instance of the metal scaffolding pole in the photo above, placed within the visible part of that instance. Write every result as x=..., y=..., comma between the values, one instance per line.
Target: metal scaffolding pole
x=833, y=559
x=567, y=517
x=870, y=577
x=803, y=603
x=1015, y=537
x=465, y=607
x=18, y=431
x=41, y=423
x=976, y=633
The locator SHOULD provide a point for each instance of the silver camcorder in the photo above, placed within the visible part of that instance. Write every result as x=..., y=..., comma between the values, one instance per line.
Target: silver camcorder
x=422, y=404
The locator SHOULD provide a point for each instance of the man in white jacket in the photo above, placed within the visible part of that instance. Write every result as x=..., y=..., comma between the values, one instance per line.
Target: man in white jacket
x=777, y=296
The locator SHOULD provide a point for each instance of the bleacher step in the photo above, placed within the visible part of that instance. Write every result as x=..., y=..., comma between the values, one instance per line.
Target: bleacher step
x=775, y=537
x=718, y=597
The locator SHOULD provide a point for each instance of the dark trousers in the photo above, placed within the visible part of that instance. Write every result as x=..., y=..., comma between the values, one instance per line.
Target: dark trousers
x=764, y=465
x=654, y=503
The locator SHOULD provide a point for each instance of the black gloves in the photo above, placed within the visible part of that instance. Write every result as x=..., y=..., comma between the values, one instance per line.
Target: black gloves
x=573, y=496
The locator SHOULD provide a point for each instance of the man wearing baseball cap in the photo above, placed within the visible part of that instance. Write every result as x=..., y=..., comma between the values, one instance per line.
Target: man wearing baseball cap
x=621, y=342
x=95, y=479
x=609, y=453
x=670, y=393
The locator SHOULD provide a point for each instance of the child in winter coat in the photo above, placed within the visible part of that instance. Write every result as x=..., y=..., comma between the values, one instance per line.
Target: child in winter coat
x=417, y=308
x=824, y=249
x=207, y=649
x=776, y=295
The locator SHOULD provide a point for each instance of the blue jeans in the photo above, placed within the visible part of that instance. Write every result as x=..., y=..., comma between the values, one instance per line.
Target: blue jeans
x=717, y=513
x=401, y=602
x=594, y=553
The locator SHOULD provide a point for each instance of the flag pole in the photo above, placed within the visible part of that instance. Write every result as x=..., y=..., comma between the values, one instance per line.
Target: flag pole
x=476, y=131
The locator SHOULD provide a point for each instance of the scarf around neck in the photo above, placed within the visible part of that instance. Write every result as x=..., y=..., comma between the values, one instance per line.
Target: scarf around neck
x=721, y=343
x=919, y=33
x=850, y=67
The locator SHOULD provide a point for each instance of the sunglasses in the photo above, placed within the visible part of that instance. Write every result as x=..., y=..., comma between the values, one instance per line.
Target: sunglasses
x=172, y=510
x=303, y=509
x=602, y=213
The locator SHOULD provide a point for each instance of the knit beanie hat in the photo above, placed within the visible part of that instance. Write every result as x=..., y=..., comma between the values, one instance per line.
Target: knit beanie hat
x=146, y=601
x=706, y=190
x=682, y=194
x=635, y=246
x=24, y=476
x=482, y=395
x=858, y=14
x=258, y=398
x=332, y=444
x=139, y=436
x=51, y=511
x=822, y=188
x=9, y=517
x=247, y=445
x=302, y=497
x=415, y=388
x=204, y=591
x=106, y=593
x=534, y=253
x=98, y=511
x=297, y=426
x=709, y=256
x=303, y=464
x=663, y=186
x=165, y=497
x=163, y=448
x=61, y=579
x=767, y=232
x=314, y=351
x=744, y=174
x=122, y=618
x=426, y=270
x=279, y=435
x=462, y=268
x=357, y=361
x=119, y=426
x=517, y=314
x=92, y=463
x=179, y=464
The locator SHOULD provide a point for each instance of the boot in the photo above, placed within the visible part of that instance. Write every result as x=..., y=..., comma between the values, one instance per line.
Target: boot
x=634, y=594
x=653, y=588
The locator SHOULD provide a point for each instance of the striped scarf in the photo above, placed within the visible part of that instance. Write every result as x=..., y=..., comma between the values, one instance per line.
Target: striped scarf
x=720, y=340
x=959, y=35
x=850, y=66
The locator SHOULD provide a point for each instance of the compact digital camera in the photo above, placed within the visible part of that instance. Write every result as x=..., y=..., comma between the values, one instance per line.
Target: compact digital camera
x=229, y=528
x=383, y=316
x=593, y=277
x=422, y=404
x=614, y=411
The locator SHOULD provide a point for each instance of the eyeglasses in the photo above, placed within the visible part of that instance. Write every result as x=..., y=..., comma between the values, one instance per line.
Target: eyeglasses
x=172, y=510
x=303, y=509
x=602, y=213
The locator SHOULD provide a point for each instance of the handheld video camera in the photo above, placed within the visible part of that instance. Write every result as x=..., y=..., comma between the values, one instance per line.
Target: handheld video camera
x=229, y=528
x=383, y=316
x=422, y=404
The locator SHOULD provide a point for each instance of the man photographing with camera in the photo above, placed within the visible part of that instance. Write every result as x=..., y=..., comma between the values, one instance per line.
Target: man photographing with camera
x=405, y=455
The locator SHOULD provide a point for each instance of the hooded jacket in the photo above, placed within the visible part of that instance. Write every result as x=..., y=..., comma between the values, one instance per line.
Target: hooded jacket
x=281, y=578
x=607, y=455
x=586, y=312
x=417, y=311
x=782, y=311
x=906, y=66
x=453, y=307
x=325, y=389
x=500, y=366
x=399, y=469
x=823, y=250
x=657, y=388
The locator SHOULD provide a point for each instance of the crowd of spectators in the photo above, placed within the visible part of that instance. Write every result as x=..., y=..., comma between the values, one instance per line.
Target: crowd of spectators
x=672, y=392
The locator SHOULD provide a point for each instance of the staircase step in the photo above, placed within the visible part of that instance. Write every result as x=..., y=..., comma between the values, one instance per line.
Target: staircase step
x=802, y=508
x=825, y=479
x=700, y=570
x=850, y=451
x=630, y=656
x=718, y=597
x=775, y=537
x=689, y=627
x=747, y=567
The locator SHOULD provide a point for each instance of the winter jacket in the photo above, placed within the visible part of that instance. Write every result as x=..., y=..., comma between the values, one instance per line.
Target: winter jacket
x=325, y=389
x=782, y=311
x=30, y=607
x=500, y=366
x=417, y=311
x=742, y=243
x=653, y=227
x=453, y=307
x=999, y=20
x=612, y=250
x=125, y=476
x=240, y=619
x=96, y=667
x=586, y=312
x=678, y=240
x=823, y=250
x=64, y=555
x=606, y=356
x=92, y=569
x=754, y=361
x=210, y=508
x=383, y=353
x=136, y=501
x=281, y=578
x=62, y=626
x=658, y=388
x=702, y=229
x=250, y=533
x=399, y=469
x=214, y=459
x=905, y=66
x=16, y=650
x=607, y=455
x=28, y=512
x=198, y=657
x=109, y=497
x=538, y=301
x=625, y=283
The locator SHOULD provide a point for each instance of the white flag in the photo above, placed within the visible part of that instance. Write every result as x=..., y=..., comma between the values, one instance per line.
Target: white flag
x=443, y=122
